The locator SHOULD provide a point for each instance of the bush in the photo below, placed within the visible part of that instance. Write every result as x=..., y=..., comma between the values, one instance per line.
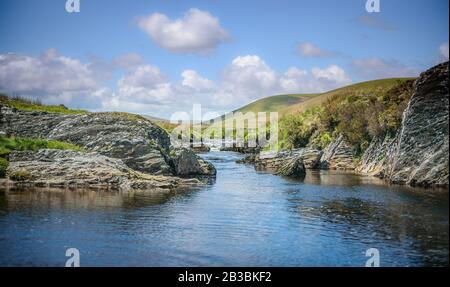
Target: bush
x=3, y=166
x=358, y=115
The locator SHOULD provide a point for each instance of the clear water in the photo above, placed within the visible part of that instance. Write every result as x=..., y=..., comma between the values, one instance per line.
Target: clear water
x=245, y=218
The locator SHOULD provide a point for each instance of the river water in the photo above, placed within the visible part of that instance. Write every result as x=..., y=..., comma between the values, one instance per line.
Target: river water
x=244, y=218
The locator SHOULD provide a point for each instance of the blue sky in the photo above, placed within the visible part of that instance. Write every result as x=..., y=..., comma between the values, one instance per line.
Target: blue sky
x=120, y=55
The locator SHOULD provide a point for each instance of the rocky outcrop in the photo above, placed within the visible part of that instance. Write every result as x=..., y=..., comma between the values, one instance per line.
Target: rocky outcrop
x=275, y=160
x=140, y=144
x=377, y=157
x=421, y=155
x=293, y=168
x=63, y=168
x=418, y=154
x=338, y=155
x=187, y=163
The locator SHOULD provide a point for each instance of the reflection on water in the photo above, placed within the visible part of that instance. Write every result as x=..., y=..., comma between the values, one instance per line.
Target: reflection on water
x=243, y=218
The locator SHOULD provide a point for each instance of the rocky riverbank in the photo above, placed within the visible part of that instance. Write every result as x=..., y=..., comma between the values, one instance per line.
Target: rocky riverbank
x=417, y=155
x=119, y=150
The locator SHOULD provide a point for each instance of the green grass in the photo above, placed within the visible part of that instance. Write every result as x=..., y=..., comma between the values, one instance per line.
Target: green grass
x=34, y=105
x=9, y=144
x=276, y=103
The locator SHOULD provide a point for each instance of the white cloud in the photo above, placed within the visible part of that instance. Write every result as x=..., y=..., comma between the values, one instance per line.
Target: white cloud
x=443, y=49
x=374, y=68
x=249, y=78
x=48, y=73
x=143, y=88
x=128, y=61
x=196, y=32
x=246, y=78
x=193, y=80
x=308, y=49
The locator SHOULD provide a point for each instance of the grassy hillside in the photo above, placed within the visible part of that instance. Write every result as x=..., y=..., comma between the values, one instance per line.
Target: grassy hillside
x=294, y=103
x=276, y=103
x=369, y=87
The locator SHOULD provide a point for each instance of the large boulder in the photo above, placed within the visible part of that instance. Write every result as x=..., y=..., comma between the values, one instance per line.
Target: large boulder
x=275, y=160
x=64, y=168
x=187, y=163
x=293, y=168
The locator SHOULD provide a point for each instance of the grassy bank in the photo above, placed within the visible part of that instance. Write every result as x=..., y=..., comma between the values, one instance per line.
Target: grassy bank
x=9, y=144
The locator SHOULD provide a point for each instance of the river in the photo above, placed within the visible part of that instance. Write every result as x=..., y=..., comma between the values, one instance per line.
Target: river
x=244, y=218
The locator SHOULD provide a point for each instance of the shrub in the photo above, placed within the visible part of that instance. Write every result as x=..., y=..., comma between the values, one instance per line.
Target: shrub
x=3, y=166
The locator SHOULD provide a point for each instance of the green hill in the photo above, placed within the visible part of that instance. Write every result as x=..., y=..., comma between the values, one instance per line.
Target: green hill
x=294, y=103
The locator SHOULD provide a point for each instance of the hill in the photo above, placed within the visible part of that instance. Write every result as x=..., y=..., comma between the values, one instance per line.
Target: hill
x=293, y=103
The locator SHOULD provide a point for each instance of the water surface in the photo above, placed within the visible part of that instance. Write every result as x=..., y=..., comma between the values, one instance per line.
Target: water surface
x=245, y=218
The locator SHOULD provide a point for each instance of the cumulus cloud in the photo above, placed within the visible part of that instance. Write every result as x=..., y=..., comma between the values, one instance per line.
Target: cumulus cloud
x=374, y=68
x=143, y=88
x=193, y=80
x=308, y=49
x=48, y=73
x=249, y=78
x=128, y=61
x=443, y=50
x=196, y=32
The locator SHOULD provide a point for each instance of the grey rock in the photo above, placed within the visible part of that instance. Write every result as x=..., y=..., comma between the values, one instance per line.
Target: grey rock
x=63, y=168
x=338, y=155
x=140, y=144
x=275, y=160
x=421, y=156
x=187, y=163
x=293, y=168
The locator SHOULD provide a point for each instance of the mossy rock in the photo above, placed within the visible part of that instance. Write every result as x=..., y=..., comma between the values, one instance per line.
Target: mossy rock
x=21, y=175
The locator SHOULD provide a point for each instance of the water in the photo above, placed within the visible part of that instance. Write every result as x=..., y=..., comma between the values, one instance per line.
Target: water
x=245, y=218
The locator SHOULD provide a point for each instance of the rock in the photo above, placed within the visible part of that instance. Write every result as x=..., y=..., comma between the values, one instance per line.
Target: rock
x=201, y=149
x=421, y=155
x=250, y=159
x=275, y=160
x=293, y=168
x=376, y=158
x=137, y=141
x=140, y=144
x=187, y=163
x=338, y=155
x=244, y=150
x=64, y=168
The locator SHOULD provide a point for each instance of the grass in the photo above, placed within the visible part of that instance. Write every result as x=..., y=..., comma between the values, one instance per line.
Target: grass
x=9, y=144
x=26, y=104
